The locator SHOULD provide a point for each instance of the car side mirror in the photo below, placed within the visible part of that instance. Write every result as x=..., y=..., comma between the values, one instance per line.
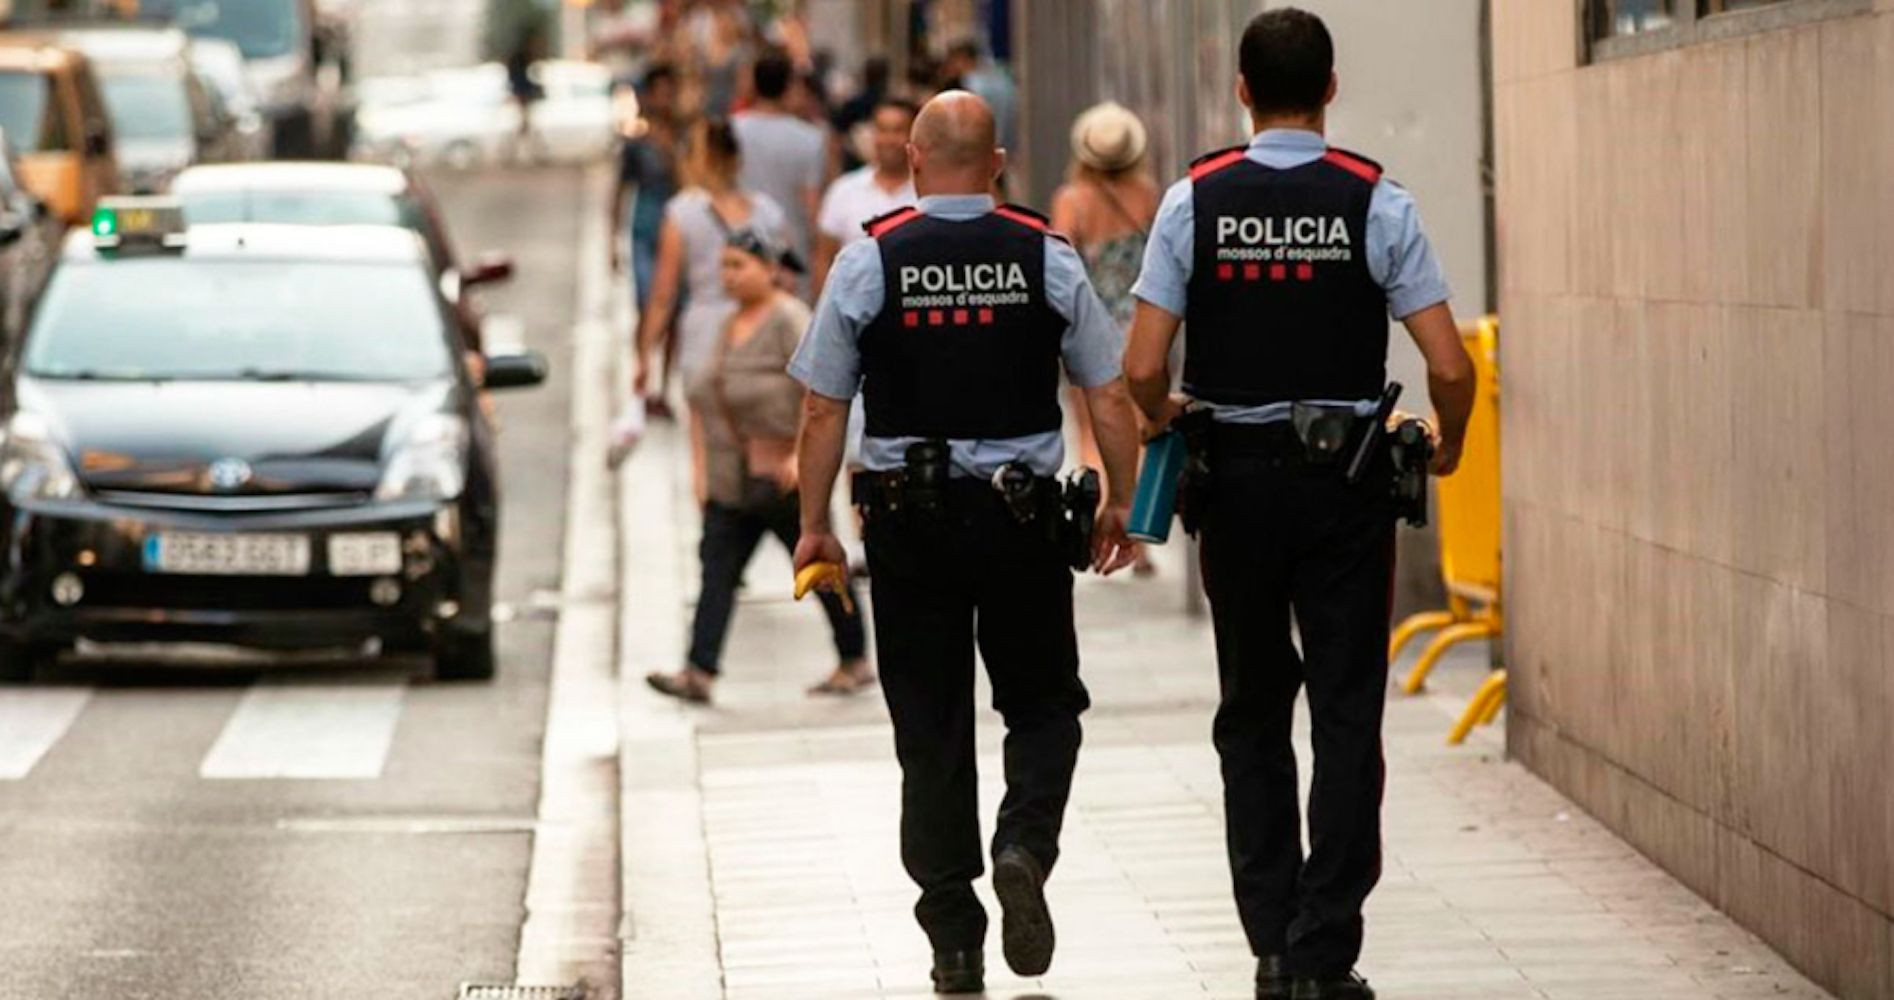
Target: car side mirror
x=516, y=371
x=491, y=268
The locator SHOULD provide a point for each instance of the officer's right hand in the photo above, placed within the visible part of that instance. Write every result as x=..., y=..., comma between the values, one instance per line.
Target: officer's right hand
x=1173, y=408
x=1112, y=547
x=1446, y=457
x=819, y=546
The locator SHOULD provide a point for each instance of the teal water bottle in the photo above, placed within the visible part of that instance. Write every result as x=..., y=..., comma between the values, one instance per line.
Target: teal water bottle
x=1156, y=500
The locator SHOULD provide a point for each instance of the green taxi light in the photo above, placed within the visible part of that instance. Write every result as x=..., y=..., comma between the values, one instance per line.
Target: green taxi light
x=125, y=223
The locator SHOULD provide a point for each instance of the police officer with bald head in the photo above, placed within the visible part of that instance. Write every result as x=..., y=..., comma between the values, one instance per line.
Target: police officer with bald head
x=954, y=322
x=1283, y=260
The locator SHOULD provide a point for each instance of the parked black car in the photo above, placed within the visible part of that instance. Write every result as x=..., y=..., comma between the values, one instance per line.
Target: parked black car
x=258, y=435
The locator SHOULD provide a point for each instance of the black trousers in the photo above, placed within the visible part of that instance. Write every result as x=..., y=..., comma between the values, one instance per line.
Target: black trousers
x=731, y=536
x=974, y=578
x=1280, y=537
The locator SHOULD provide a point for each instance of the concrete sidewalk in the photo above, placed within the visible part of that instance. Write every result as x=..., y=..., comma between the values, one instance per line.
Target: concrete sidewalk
x=760, y=834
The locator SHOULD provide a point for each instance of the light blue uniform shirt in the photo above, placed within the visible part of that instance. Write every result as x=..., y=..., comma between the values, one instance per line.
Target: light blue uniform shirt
x=1400, y=259
x=829, y=360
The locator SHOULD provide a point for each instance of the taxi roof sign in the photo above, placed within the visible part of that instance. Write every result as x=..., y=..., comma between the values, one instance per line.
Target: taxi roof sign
x=121, y=223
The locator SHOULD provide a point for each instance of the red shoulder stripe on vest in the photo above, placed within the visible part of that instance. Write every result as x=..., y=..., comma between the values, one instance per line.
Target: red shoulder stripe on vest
x=886, y=224
x=1031, y=220
x=1217, y=161
x=1023, y=217
x=1355, y=165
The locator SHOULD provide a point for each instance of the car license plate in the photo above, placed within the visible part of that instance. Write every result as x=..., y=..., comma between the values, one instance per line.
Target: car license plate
x=365, y=553
x=207, y=554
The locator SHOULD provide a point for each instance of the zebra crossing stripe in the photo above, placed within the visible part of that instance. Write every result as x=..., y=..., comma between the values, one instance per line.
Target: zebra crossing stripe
x=31, y=721
x=309, y=731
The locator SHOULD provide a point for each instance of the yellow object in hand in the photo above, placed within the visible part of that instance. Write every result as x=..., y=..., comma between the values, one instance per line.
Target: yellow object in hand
x=832, y=577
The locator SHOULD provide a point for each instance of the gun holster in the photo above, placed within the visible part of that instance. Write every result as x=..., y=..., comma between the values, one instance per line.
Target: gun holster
x=1078, y=517
x=1193, y=491
x=1411, y=446
x=1068, y=510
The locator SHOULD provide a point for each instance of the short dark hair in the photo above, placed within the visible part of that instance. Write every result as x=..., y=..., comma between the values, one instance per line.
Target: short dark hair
x=720, y=140
x=1287, y=58
x=772, y=74
x=901, y=104
x=659, y=72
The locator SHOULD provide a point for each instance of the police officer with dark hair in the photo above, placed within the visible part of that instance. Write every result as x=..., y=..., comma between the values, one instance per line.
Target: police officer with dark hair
x=1284, y=259
x=954, y=321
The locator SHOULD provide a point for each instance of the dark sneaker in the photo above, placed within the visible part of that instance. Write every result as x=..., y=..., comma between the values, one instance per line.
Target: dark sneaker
x=959, y=972
x=689, y=685
x=1349, y=987
x=1272, y=978
x=1026, y=924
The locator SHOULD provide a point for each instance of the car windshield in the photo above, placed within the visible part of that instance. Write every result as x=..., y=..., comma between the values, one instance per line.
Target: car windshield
x=261, y=28
x=23, y=110
x=147, y=106
x=166, y=318
x=301, y=208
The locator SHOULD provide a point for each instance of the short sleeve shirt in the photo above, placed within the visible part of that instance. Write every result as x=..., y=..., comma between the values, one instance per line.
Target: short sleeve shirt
x=856, y=198
x=829, y=361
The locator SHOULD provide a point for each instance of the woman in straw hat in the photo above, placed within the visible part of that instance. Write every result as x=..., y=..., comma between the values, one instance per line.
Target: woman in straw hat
x=1106, y=207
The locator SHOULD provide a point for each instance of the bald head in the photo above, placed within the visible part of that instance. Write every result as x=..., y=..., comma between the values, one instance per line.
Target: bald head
x=954, y=146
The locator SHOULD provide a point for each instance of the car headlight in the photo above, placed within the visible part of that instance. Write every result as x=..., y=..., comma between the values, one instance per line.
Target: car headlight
x=431, y=464
x=33, y=466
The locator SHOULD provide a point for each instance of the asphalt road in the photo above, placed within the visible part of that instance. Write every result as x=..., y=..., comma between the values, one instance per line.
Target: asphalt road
x=351, y=830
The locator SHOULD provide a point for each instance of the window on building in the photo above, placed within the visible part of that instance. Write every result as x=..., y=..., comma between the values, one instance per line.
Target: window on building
x=1634, y=27
x=1617, y=18
x=1708, y=7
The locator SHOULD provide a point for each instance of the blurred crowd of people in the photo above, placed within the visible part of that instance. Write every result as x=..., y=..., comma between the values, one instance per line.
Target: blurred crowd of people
x=742, y=164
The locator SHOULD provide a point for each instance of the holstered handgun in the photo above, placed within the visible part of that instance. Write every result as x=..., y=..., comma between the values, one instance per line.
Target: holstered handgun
x=1078, y=520
x=1412, y=447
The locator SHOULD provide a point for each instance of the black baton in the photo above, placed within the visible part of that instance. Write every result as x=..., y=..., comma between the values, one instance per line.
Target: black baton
x=1364, y=452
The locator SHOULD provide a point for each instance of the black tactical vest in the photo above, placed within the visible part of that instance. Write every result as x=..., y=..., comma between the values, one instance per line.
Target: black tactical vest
x=1281, y=303
x=965, y=346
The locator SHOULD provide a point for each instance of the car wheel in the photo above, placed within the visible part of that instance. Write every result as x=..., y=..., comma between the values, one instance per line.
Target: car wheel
x=19, y=660
x=464, y=656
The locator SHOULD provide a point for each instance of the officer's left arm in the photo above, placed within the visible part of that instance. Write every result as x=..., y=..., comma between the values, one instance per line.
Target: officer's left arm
x=1402, y=261
x=1092, y=349
x=1148, y=362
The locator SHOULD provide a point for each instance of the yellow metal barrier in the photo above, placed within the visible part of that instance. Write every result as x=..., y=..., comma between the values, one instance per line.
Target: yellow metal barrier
x=1469, y=526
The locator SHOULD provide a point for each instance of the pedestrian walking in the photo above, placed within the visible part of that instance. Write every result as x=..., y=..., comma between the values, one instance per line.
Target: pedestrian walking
x=1105, y=208
x=788, y=158
x=953, y=322
x=1285, y=258
x=750, y=405
x=647, y=181
x=697, y=223
x=876, y=189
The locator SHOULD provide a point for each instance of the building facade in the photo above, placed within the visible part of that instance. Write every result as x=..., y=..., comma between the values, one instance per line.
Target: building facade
x=1698, y=346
